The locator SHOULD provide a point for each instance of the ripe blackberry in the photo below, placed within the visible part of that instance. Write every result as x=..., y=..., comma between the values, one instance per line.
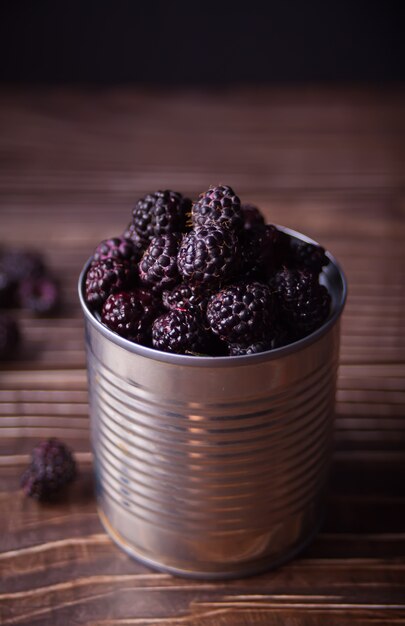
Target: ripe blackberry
x=185, y=296
x=52, y=468
x=118, y=248
x=254, y=348
x=208, y=255
x=258, y=251
x=7, y=289
x=22, y=264
x=282, y=250
x=241, y=313
x=220, y=206
x=158, y=266
x=40, y=295
x=308, y=256
x=279, y=336
x=104, y=278
x=178, y=331
x=160, y=213
x=252, y=217
x=140, y=243
x=304, y=304
x=9, y=337
x=130, y=314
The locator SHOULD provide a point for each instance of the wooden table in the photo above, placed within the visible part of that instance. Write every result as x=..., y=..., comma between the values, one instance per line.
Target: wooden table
x=328, y=163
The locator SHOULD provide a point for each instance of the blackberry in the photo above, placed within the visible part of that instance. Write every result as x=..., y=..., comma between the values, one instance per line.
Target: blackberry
x=9, y=337
x=208, y=255
x=252, y=217
x=140, y=244
x=185, y=296
x=52, y=468
x=219, y=205
x=22, y=264
x=40, y=295
x=279, y=337
x=178, y=331
x=104, y=278
x=308, y=256
x=304, y=304
x=253, y=348
x=241, y=313
x=158, y=266
x=282, y=250
x=160, y=213
x=7, y=289
x=118, y=248
x=130, y=314
x=258, y=251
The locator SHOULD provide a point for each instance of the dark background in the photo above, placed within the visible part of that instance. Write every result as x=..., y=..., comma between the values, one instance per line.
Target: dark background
x=201, y=42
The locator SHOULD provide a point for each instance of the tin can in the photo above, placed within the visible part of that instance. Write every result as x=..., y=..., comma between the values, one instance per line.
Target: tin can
x=213, y=467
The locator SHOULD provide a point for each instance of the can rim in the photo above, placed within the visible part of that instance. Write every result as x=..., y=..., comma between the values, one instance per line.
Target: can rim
x=218, y=361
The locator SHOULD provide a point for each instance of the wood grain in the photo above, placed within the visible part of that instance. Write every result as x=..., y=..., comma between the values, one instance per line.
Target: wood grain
x=327, y=162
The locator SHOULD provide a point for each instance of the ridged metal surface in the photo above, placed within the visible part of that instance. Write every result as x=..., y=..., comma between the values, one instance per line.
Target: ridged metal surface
x=213, y=466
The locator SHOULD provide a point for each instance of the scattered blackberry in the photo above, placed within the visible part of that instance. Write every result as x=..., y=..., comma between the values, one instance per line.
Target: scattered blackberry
x=130, y=314
x=9, y=337
x=185, y=296
x=104, y=278
x=117, y=248
x=208, y=255
x=308, y=256
x=7, y=289
x=40, y=295
x=158, y=266
x=181, y=332
x=252, y=217
x=258, y=251
x=304, y=304
x=241, y=313
x=220, y=206
x=52, y=468
x=160, y=213
x=21, y=264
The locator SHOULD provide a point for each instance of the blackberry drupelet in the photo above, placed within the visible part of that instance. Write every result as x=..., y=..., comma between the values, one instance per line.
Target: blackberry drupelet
x=278, y=337
x=52, y=468
x=303, y=303
x=158, y=266
x=40, y=295
x=106, y=277
x=130, y=314
x=208, y=255
x=9, y=337
x=160, y=213
x=185, y=296
x=179, y=331
x=118, y=248
x=220, y=206
x=252, y=217
x=241, y=313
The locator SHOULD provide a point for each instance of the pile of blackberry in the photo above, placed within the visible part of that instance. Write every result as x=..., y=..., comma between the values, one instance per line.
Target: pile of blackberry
x=25, y=283
x=207, y=278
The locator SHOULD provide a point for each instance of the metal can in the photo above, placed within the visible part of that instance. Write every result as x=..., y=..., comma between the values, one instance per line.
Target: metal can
x=213, y=467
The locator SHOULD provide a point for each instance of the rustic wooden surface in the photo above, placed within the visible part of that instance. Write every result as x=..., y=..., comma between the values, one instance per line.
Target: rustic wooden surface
x=328, y=163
